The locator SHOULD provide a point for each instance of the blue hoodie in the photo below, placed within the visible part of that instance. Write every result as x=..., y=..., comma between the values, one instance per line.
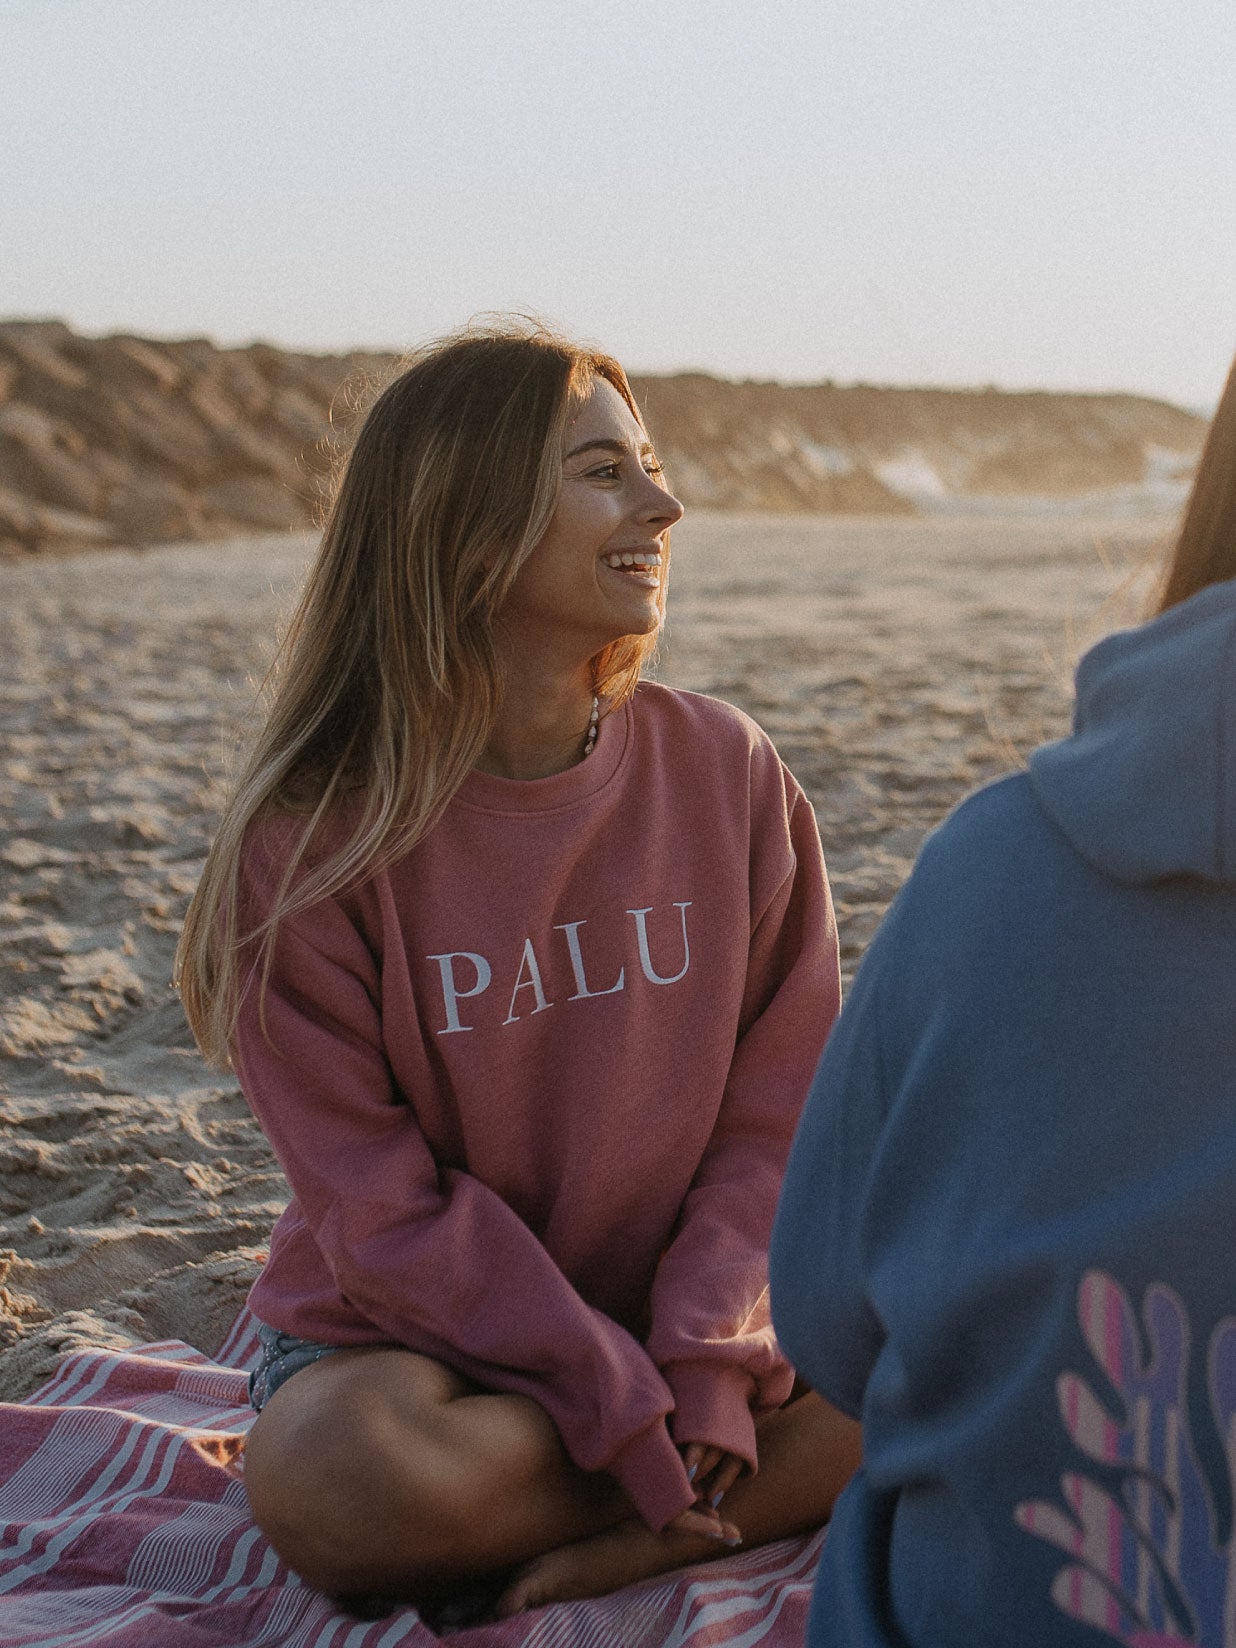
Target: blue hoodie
x=1007, y=1236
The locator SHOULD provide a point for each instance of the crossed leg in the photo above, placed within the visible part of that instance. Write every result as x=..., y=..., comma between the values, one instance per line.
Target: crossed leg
x=807, y=1451
x=385, y=1472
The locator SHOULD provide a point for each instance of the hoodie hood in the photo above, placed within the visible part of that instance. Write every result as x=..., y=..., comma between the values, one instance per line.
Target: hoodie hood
x=1145, y=786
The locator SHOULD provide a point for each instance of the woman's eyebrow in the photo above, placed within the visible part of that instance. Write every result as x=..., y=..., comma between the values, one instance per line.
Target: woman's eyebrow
x=618, y=447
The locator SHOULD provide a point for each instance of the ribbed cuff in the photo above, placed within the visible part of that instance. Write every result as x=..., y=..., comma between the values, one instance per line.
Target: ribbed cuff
x=650, y=1470
x=712, y=1404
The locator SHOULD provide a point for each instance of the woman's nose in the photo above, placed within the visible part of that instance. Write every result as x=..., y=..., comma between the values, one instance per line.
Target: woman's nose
x=661, y=506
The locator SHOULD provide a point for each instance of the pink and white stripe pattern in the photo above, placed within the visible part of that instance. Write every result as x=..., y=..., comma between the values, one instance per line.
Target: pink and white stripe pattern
x=123, y=1524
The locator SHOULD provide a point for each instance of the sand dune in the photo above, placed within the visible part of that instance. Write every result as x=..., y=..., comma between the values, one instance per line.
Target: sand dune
x=122, y=440
x=895, y=662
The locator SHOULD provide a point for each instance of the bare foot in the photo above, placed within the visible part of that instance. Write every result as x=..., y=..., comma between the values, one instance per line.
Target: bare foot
x=606, y=1562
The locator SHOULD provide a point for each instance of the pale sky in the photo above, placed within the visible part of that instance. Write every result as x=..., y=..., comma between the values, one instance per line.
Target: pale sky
x=1023, y=192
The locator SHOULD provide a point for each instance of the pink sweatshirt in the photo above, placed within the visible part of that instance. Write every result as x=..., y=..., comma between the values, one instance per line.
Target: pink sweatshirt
x=534, y=1086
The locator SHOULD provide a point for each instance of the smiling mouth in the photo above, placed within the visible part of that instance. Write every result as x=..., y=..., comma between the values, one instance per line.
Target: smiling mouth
x=641, y=566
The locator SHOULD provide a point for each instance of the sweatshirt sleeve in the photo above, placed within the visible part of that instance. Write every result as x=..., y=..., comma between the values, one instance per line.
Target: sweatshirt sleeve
x=432, y=1256
x=820, y=1300
x=712, y=1334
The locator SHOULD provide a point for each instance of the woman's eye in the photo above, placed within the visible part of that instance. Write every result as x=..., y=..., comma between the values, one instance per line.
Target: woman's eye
x=612, y=471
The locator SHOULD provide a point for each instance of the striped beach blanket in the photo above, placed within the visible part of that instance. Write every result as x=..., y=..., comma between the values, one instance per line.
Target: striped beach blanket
x=123, y=1524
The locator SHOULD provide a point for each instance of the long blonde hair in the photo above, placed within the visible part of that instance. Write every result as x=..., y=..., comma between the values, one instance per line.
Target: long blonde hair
x=385, y=689
x=1205, y=550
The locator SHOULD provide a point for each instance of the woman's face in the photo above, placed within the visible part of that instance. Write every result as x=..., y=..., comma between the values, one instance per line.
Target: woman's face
x=596, y=574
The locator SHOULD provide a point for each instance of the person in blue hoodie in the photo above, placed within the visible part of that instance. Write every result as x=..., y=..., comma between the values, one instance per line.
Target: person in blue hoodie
x=1007, y=1236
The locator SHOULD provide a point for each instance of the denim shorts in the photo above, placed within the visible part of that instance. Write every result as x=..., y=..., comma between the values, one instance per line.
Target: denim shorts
x=282, y=1355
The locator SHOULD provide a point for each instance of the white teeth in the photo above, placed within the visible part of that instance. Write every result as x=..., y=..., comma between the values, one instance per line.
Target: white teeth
x=625, y=558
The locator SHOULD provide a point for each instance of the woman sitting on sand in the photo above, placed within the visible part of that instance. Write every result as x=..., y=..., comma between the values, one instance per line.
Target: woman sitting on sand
x=1006, y=1237
x=524, y=967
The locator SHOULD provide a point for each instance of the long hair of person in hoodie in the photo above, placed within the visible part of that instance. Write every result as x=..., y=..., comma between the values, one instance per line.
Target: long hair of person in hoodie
x=1205, y=550
x=385, y=688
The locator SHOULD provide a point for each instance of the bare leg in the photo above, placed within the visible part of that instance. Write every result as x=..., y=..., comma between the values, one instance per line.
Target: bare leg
x=808, y=1452
x=382, y=1471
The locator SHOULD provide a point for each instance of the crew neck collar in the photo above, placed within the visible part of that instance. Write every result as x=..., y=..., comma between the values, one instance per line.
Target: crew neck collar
x=489, y=793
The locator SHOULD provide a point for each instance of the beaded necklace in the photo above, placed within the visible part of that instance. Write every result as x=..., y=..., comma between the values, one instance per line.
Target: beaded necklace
x=593, y=722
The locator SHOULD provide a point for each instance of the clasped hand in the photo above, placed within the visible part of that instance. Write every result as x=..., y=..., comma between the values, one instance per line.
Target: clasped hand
x=713, y=1473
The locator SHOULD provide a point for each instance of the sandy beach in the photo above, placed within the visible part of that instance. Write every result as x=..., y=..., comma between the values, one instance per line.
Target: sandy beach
x=895, y=662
